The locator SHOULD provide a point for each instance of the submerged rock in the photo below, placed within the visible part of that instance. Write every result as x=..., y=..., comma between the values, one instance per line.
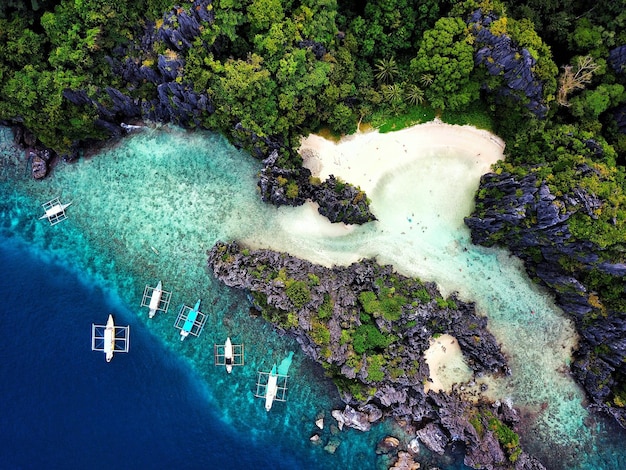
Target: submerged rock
x=39, y=167
x=405, y=462
x=387, y=445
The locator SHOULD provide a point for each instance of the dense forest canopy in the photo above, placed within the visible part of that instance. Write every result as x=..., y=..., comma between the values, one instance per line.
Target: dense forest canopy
x=548, y=76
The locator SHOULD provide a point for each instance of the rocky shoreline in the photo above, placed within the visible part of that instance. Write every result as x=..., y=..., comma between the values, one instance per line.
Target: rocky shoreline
x=368, y=327
x=521, y=214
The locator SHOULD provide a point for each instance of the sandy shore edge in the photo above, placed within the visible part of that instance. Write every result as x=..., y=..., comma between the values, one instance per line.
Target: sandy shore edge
x=363, y=158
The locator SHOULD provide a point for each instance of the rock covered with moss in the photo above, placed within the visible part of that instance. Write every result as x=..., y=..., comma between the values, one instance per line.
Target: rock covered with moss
x=369, y=326
x=337, y=201
x=523, y=214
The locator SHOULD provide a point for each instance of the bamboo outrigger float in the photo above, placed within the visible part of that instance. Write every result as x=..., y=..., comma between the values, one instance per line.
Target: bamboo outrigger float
x=190, y=321
x=229, y=355
x=54, y=211
x=156, y=299
x=110, y=339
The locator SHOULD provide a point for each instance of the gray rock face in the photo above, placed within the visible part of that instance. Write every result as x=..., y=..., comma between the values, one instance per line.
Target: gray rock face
x=542, y=244
x=442, y=418
x=617, y=59
x=353, y=419
x=433, y=437
x=502, y=57
x=39, y=167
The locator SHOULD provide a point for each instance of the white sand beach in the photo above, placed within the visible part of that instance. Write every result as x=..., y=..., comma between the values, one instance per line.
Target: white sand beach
x=446, y=364
x=362, y=158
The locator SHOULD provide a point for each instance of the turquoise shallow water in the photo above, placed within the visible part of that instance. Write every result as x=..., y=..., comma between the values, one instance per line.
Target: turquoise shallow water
x=151, y=206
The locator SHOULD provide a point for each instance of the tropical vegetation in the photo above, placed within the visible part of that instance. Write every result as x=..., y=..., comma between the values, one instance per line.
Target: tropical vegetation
x=547, y=76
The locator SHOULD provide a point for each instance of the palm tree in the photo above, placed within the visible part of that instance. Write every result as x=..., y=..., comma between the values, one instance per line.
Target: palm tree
x=426, y=79
x=414, y=94
x=392, y=93
x=387, y=69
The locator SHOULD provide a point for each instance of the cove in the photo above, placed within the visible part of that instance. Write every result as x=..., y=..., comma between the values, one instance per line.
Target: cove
x=179, y=192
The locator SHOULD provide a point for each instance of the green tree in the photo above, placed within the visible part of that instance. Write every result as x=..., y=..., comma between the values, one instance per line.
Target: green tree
x=414, y=94
x=264, y=13
x=386, y=70
x=591, y=103
x=445, y=53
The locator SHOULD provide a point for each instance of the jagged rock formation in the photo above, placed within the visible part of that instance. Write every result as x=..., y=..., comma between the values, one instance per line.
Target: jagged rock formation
x=338, y=201
x=369, y=326
x=177, y=102
x=523, y=215
x=501, y=56
x=617, y=59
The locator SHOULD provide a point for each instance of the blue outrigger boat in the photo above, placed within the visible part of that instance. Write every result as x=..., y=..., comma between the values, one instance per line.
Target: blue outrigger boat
x=190, y=321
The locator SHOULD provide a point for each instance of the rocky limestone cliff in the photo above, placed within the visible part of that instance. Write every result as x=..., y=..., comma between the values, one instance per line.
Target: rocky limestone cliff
x=337, y=201
x=524, y=216
x=369, y=327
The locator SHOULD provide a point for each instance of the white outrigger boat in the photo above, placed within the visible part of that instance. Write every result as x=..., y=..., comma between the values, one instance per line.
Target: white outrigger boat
x=190, y=321
x=159, y=299
x=272, y=386
x=229, y=355
x=54, y=211
x=110, y=338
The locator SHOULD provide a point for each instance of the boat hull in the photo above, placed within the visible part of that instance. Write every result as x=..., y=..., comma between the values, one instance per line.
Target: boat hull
x=109, y=339
x=228, y=355
x=271, y=389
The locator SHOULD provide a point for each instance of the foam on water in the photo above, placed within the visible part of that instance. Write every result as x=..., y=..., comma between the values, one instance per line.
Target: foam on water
x=151, y=207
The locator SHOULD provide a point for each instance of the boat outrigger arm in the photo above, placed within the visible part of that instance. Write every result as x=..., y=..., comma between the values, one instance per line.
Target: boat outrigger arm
x=271, y=386
x=54, y=211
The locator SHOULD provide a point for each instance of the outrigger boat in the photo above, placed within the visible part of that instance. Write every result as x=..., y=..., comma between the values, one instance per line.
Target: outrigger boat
x=190, y=321
x=110, y=338
x=229, y=355
x=54, y=211
x=272, y=386
x=191, y=318
x=159, y=299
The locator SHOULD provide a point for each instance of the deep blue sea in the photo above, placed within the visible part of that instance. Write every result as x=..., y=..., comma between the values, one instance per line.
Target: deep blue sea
x=63, y=406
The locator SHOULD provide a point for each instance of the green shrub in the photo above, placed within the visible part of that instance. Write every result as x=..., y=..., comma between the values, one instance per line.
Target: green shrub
x=423, y=296
x=326, y=309
x=506, y=436
x=367, y=337
x=375, y=368
x=292, y=190
x=392, y=307
x=299, y=293
x=314, y=280
x=320, y=334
